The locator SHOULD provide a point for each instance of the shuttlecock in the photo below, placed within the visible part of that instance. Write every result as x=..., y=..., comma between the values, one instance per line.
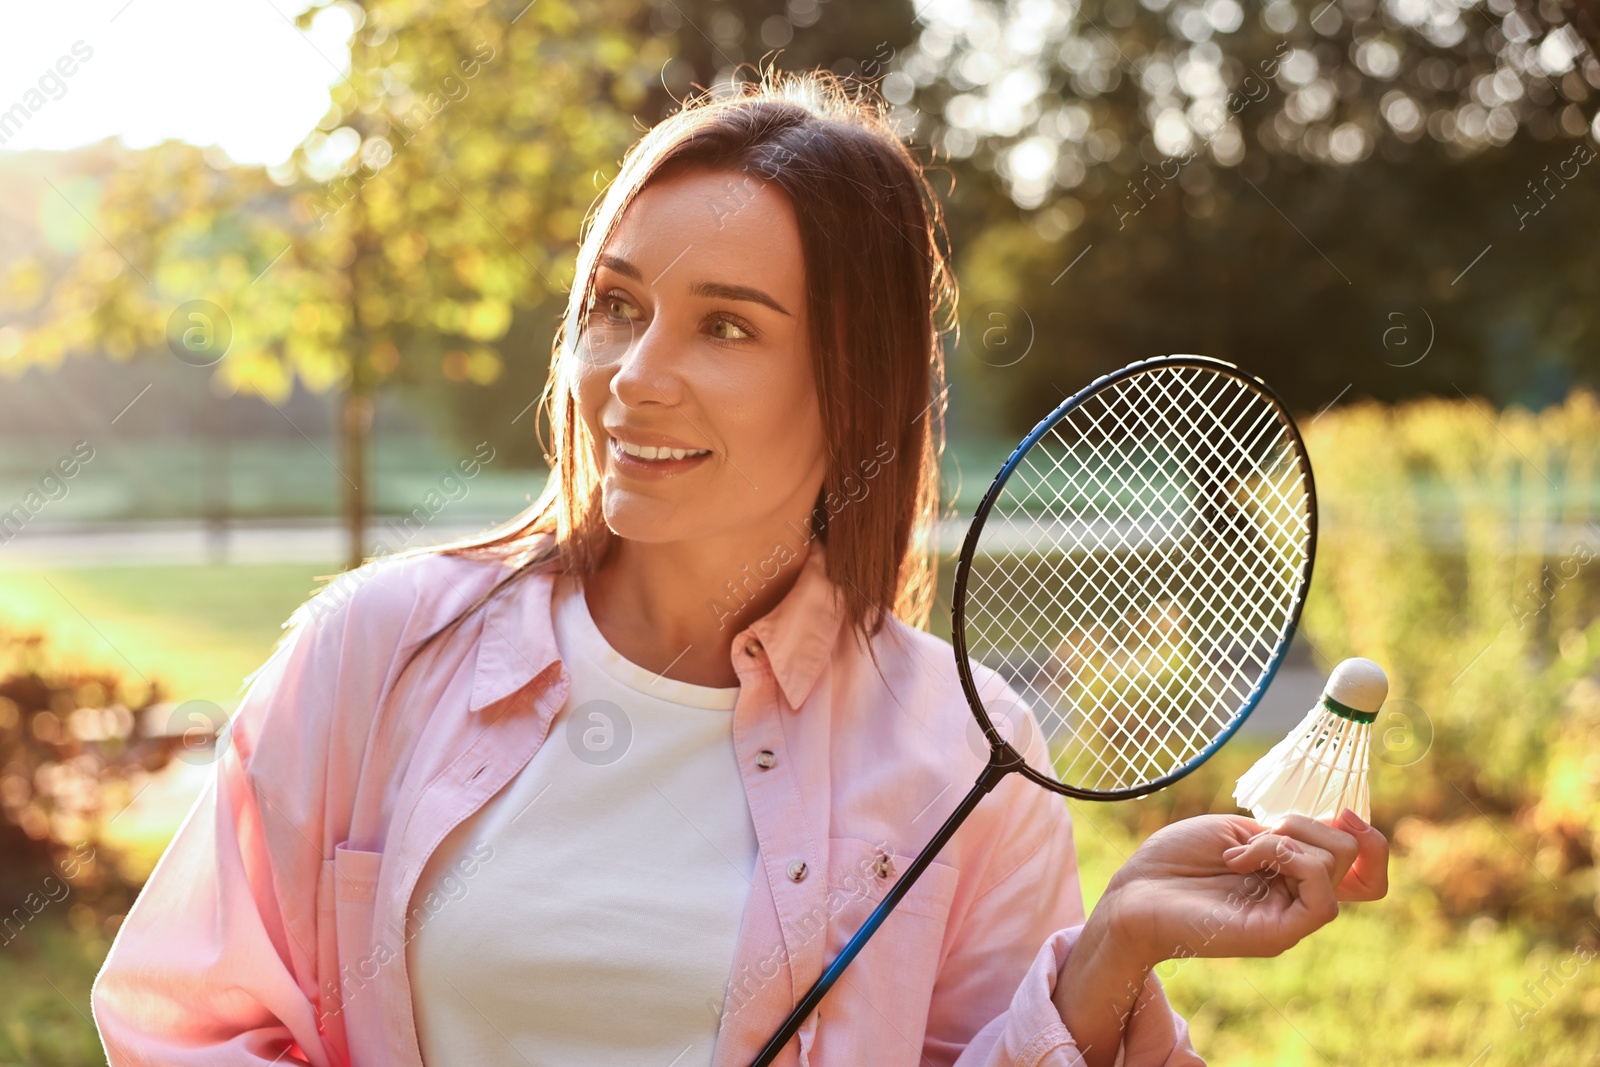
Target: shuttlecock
x=1321, y=767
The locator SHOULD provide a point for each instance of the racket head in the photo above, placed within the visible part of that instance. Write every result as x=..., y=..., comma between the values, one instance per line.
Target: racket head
x=1158, y=530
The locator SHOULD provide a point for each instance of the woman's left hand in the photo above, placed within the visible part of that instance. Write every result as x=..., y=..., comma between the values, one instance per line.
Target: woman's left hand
x=1223, y=885
x=1213, y=885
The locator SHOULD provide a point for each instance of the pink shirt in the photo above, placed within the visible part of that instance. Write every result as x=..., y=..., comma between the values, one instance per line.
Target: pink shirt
x=273, y=929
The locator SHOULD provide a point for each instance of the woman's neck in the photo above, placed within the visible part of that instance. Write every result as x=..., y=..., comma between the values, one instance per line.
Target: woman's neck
x=675, y=607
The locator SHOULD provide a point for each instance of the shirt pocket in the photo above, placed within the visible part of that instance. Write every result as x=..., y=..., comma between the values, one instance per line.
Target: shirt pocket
x=878, y=1011
x=349, y=895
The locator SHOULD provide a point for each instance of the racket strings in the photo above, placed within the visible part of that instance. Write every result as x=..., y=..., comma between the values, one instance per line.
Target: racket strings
x=1161, y=651
x=1138, y=568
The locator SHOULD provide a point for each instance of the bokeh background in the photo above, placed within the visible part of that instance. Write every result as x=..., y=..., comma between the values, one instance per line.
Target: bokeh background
x=277, y=288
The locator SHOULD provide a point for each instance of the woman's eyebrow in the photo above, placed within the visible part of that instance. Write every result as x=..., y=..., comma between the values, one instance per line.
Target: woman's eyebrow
x=719, y=289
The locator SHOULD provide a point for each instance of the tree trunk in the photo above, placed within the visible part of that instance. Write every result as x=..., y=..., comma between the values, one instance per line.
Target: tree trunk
x=355, y=431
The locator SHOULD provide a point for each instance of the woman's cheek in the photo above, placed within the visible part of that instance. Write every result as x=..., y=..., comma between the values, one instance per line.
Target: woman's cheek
x=796, y=438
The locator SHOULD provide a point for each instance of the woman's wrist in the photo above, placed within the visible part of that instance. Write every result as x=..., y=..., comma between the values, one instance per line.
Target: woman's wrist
x=1126, y=932
x=1101, y=982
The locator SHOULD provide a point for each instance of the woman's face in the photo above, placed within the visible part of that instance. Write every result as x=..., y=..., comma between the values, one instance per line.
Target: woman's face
x=695, y=373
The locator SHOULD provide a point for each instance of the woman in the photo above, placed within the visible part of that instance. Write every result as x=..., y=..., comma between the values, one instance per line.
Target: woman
x=612, y=783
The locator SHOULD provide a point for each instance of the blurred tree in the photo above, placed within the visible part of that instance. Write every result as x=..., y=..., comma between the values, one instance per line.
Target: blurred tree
x=1302, y=188
x=707, y=45
x=712, y=38
x=422, y=235
x=444, y=189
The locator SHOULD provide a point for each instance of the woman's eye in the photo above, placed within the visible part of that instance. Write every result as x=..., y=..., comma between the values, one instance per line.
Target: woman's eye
x=616, y=307
x=728, y=330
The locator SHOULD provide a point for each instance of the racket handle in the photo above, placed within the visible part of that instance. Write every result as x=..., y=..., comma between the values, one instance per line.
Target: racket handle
x=997, y=769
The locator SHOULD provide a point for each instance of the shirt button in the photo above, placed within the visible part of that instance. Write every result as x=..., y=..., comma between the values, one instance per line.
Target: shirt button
x=884, y=865
x=766, y=760
x=797, y=871
x=752, y=647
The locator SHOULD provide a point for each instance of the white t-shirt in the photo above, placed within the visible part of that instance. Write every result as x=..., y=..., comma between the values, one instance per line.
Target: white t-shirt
x=609, y=879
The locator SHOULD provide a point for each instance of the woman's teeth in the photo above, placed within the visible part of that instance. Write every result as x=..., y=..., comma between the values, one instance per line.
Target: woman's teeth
x=654, y=453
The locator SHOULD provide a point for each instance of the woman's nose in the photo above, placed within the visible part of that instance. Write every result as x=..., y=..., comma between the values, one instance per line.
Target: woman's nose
x=648, y=369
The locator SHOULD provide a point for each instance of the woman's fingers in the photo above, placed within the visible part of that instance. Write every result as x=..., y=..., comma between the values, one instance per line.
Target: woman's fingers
x=1315, y=905
x=1360, y=852
x=1270, y=851
x=1306, y=873
x=1368, y=877
x=1337, y=842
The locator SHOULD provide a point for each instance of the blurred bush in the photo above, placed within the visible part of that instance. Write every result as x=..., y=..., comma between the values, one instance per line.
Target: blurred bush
x=1458, y=551
x=71, y=758
x=1459, y=548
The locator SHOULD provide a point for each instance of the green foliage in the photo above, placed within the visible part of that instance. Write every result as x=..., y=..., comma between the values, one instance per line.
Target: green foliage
x=1458, y=551
x=1265, y=242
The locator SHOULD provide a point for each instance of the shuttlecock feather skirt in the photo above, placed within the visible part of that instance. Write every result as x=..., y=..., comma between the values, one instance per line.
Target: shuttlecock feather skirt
x=1318, y=770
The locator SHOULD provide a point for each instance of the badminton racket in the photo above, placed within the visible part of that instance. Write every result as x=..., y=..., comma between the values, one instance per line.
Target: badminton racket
x=1132, y=579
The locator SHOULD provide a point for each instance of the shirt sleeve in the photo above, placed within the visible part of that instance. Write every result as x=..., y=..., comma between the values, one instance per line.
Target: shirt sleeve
x=1030, y=1032
x=216, y=962
x=1025, y=922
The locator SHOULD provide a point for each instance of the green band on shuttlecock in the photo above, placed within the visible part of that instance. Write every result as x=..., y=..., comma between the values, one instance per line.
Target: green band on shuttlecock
x=1347, y=712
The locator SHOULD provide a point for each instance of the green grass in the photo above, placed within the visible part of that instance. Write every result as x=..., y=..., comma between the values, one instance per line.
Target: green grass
x=140, y=479
x=199, y=629
x=46, y=972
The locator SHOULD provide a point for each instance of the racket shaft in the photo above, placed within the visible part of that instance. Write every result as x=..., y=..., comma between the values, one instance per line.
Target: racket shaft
x=992, y=774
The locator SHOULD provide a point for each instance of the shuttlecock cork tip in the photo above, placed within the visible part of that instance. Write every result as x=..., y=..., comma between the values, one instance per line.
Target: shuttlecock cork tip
x=1359, y=684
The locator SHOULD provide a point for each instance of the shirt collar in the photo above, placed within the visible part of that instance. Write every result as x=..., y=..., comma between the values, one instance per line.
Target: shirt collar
x=799, y=634
x=518, y=644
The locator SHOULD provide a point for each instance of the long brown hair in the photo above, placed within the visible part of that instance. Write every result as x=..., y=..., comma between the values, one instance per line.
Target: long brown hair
x=879, y=295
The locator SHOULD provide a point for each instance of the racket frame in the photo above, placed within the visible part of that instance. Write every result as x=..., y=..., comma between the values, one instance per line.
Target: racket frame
x=958, y=608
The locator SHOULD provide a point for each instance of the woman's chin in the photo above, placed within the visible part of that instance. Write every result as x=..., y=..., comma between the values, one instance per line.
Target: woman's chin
x=654, y=521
